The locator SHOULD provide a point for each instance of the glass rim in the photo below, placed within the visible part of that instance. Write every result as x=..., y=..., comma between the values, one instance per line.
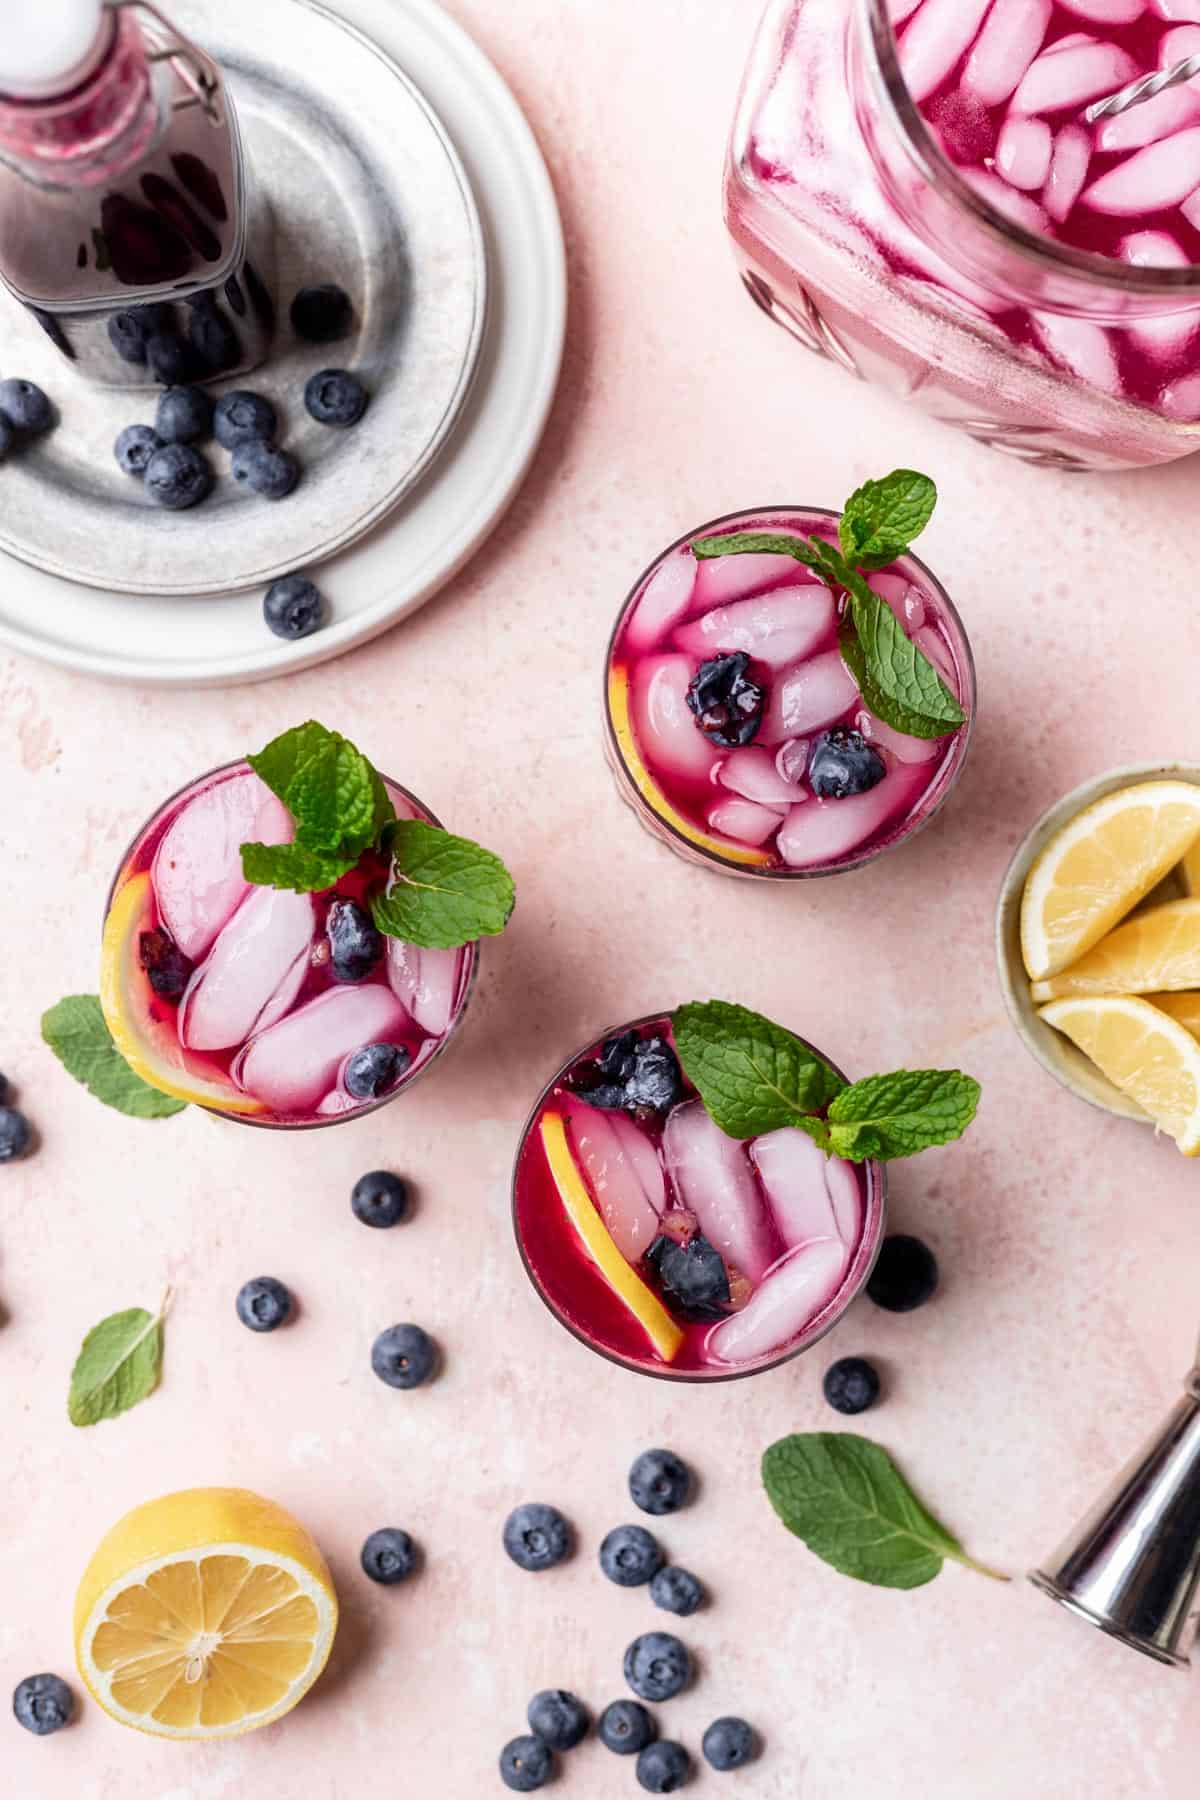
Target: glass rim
x=405, y=1082
x=846, y=1294
x=941, y=787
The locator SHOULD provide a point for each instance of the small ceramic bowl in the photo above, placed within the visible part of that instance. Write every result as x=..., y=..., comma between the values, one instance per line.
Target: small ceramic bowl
x=1054, y=1051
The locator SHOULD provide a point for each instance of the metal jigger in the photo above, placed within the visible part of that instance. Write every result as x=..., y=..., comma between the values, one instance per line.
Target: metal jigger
x=1133, y=1565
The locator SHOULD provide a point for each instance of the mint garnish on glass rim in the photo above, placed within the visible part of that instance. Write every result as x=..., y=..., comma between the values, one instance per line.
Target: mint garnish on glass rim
x=879, y=522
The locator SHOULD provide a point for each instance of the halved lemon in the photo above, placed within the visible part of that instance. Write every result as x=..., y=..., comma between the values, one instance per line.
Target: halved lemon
x=1183, y=1008
x=150, y=1046
x=1144, y=1052
x=593, y=1234
x=1099, y=866
x=1157, y=949
x=652, y=794
x=203, y=1615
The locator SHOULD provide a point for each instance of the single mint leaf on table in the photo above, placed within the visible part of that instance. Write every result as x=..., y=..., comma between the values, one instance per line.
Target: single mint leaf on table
x=76, y=1031
x=445, y=891
x=291, y=866
x=889, y=1116
x=119, y=1364
x=281, y=759
x=751, y=1074
x=881, y=518
x=846, y=1499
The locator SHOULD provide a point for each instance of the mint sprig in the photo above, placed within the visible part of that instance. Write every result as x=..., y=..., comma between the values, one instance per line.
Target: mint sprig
x=755, y=1076
x=879, y=522
x=76, y=1031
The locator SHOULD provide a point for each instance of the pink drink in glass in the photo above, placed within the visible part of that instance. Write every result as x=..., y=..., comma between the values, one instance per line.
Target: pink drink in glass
x=797, y=1232
x=751, y=809
x=231, y=989
x=914, y=191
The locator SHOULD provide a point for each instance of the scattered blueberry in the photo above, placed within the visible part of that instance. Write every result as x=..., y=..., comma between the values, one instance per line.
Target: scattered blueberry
x=8, y=438
x=214, y=342
x=663, y=1767
x=127, y=333
x=169, y=357
x=355, y=943
x=243, y=416
x=389, y=1555
x=25, y=407
x=322, y=314
x=374, y=1069
x=727, y=705
x=404, y=1356
x=536, y=1536
x=335, y=397
x=728, y=1744
x=657, y=1666
x=134, y=448
x=851, y=1385
x=639, y=1075
x=4, y=1087
x=178, y=477
x=293, y=606
x=630, y=1556
x=168, y=970
x=380, y=1198
x=558, y=1718
x=905, y=1276
x=677, y=1591
x=265, y=470
x=841, y=763
x=526, y=1764
x=626, y=1727
x=659, y=1482
x=185, y=416
x=43, y=1703
x=264, y=1303
x=15, y=1134
x=693, y=1275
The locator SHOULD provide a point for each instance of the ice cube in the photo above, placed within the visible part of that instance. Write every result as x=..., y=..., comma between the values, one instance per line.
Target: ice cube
x=744, y=821
x=1069, y=74
x=933, y=644
x=898, y=10
x=725, y=578
x=667, y=732
x=1004, y=49
x=1105, y=12
x=775, y=628
x=902, y=595
x=1150, y=120
x=665, y=600
x=811, y=695
x=294, y=1063
x=846, y=1198
x=1150, y=180
x=603, y=1145
x=426, y=981
x=754, y=774
x=825, y=831
x=1167, y=338
x=795, y=1292
x=1181, y=399
x=1176, y=9
x=1153, y=250
x=791, y=760
x=1014, y=205
x=713, y=1179
x=964, y=125
x=941, y=32
x=898, y=743
x=1023, y=152
x=258, y=960
x=197, y=872
x=792, y=1170
x=1082, y=347
x=1068, y=171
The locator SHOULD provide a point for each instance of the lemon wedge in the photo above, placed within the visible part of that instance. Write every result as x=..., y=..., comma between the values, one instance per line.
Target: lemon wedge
x=1144, y=1052
x=203, y=1615
x=1157, y=949
x=1183, y=1008
x=593, y=1234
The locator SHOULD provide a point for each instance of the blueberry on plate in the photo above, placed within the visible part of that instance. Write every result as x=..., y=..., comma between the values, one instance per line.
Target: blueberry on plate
x=354, y=941
x=127, y=333
x=851, y=1385
x=663, y=1767
x=25, y=407
x=380, y=1198
x=264, y=469
x=335, y=397
x=322, y=313
x=374, y=1069
x=727, y=705
x=242, y=416
x=677, y=1591
x=842, y=763
x=659, y=1482
x=657, y=1666
x=625, y=1727
x=558, y=1718
x=630, y=1556
x=168, y=970
x=389, y=1555
x=526, y=1764
x=43, y=1703
x=537, y=1537
x=134, y=448
x=293, y=606
x=15, y=1134
x=185, y=415
x=404, y=1356
x=905, y=1276
x=693, y=1276
x=169, y=357
x=264, y=1304
x=178, y=477
x=728, y=1744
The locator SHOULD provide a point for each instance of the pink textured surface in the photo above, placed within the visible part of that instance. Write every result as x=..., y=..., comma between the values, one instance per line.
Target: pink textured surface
x=1068, y=1241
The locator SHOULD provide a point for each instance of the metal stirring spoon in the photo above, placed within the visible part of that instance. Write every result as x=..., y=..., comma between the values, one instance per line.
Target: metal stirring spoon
x=1144, y=88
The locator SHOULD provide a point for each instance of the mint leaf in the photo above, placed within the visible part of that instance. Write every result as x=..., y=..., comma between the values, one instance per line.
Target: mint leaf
x=291, y=866
x=892, y=712
x=119, y=1364
x=900, y=675
x=755, y=543
x=881, y=518
x=846, y=1499
x=888, y=1116
x=278, y=763
x=445, y=892
x=752, y=1075
x=76, y=1031
x=332, y=797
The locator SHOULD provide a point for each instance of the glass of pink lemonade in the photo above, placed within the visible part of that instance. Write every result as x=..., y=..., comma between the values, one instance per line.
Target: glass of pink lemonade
x=915, y=190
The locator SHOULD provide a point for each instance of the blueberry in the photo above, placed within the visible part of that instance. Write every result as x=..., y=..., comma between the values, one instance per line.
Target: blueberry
x=134, y=448
x=4, y=1088
x=727, y=705
x=178, y=477
x=8, y=438
x=185, y=415
x=127, y=333
x=404, y=1356
x=728, y=1743
x=25, y=407
x=322, y=314
x=389, y=1555
x=841, y=763
x=374, y=1069
x=558, y=1718
x=630, y=1556
x=242, y=416
x=213, y=340
x=264, y=1304
x=905, y=1276
x=657, y=1666
x=851, y=1385
x=638, y=1075
x=626, y=1727
x=355, y=944
x=525, y=1764
x=293, y=606
x=265, y=470
x=335, y=397
x=659, y=1482
x=43, y=1703
x=663, y=1767
x=168, y=970
x=537, y=1537
x=693, y=1276
x=677, y=1591
x=169, y=357
x=15, y=1134
x=380, y=1198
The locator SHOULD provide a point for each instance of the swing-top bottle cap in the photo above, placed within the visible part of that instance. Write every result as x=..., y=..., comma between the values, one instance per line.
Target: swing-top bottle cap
x=48, y=49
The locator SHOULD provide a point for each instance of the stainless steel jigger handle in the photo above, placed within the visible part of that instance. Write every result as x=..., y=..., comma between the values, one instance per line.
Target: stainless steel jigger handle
x=1144, y=88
